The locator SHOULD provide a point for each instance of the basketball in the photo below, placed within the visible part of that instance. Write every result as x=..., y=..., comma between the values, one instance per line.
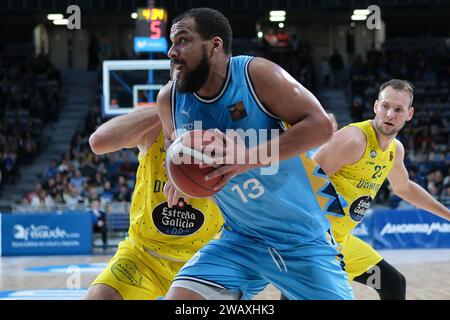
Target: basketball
x=183, y=162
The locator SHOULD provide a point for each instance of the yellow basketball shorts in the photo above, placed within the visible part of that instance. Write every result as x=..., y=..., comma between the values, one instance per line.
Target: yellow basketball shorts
x=359, y=256
x=136, y=274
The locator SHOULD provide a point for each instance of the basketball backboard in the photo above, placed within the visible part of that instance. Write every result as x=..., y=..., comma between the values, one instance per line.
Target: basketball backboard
x=128, y=84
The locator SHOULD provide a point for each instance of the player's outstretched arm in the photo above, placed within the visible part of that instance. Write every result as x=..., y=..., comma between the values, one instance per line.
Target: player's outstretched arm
x=411, y=191
x=165, y=112
x=288, y=100
x=165, y=115
x=346, y=147
x=139, y=128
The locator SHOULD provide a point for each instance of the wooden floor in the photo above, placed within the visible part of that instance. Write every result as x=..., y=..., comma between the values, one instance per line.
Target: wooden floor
x=427, y=273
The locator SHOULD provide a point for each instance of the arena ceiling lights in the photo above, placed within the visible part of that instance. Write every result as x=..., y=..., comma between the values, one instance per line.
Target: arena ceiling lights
x=360, y=14
x=277, y=16
x=61, y=22
x=57, y=18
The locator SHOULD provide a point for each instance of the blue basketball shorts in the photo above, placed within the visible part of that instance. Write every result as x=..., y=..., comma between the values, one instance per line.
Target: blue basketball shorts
x=236, y=263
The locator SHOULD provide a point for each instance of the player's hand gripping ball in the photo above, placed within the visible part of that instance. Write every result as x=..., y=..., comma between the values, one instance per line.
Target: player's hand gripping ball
x=192, y=156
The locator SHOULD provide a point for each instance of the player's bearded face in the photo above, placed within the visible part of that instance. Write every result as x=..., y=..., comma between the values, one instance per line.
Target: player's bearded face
x=191, y=79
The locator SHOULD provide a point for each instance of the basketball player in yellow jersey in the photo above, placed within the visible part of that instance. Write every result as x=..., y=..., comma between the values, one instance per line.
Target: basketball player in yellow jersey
x=358, y=158
x=160, y=239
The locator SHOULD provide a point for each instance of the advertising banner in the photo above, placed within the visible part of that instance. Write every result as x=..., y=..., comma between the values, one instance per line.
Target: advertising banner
x=403, y=229
x=46, y=234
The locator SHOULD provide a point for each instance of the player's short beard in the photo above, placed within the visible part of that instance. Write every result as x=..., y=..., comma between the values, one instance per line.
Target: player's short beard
x=193, y=80
x=390, y=133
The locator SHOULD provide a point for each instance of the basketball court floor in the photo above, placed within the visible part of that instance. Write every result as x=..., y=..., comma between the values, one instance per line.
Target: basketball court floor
x=67, y=277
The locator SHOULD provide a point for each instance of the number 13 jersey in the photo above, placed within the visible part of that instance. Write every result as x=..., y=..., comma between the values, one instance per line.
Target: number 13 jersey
x=284, y=207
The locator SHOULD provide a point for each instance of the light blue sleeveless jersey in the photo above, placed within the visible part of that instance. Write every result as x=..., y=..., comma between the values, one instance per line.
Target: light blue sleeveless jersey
x=282, y=210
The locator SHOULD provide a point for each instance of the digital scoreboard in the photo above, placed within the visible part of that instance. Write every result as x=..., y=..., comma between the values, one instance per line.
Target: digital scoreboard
x=150, y=32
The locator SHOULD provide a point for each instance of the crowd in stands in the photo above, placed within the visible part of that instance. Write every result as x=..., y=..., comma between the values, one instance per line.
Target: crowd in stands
x=289, y=51
x=80, y=177
x=292, y=54
x=29, y=99
x=427, y=137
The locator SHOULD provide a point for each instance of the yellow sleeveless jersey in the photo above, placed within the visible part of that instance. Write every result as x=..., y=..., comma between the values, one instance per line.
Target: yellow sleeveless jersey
x=359, y=183
x=175, y=234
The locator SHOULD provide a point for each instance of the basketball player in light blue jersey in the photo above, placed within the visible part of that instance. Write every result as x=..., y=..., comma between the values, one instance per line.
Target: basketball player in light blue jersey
x=275, y=225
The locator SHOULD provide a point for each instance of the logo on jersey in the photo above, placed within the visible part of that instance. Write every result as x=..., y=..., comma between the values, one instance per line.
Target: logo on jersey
x=359, y=207
x=185, y=113
x=180, y=220
x=237, y=111
x=126, y=271
x=362, y=184
x=373, y=154
x=391, y=156
x=158, y=186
